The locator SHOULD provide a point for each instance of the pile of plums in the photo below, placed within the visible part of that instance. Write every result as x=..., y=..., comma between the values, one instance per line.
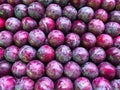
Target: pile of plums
x=59, y=44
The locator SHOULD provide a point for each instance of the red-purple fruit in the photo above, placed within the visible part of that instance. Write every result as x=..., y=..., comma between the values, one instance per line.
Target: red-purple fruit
x=63, y=53
x=115, y=84
x=53, y=11
x=44, y=83
x=2, y=1
x=64, y=83
x=80, y=55
x=95, y=4
x=27, y=53
x=78, y=3
x=90, y=70
x=54, y=69
x=117, y=4
x=36, y=38
x=72, y=40
x=11, y=53
x=88, y=40
x=79, y=27
x=80, y=86
x=47, y=24
x=13, y=24
x=45, y=2
x=64, y=24
x=112, y=28
x=101, y=14
x=116, y=42
x=36, y=10
x=62, y=3
x=46, y=53
x=100, y=83
x=118, y=71
x=114, y=16
x=1, y=53
x=97, y=54
x=20, y=11
x=107, y=70
x=20, y=38
x=72, y=70
x=35, y=69
x=104, y=41
x=6, y=10
x=113, y=55
x=56, y=38
x=70, y=12
x=24, y=83
x=2, y=23
x=27, y=2
x=96, y=26
x=108, y=4
x=28, y=23
x=19, y=69
x=14, y=2
x=85, y=14
x=5, y=68
x=6, y=38
x=7, y=83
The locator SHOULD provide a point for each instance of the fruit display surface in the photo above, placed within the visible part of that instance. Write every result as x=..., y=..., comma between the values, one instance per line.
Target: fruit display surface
x=59, y=44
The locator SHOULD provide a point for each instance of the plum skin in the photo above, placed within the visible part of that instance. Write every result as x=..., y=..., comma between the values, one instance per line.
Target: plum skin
x=1, y=53
x=115, y=84
x=118, y=71
x=2, y=23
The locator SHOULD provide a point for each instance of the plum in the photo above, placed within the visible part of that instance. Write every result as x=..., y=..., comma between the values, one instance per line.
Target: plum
x=113, y=55
x=64, y=83
x=64, y=24
x=28, y=23
x=89, y=70
x=114, y=16
x=2, y=1
x=95, y=4
x=56, y=38
x=36, y=10
x=54, y=69
x=44, y=83
x=53, y=11
x=101, y=14
x=72, y=40
x=27, y=2
x=63, y=53
x=5, y=68
x=14, y=2
x=104, y=40
x=112, y=28
x=115, y=84
x=78, y=83
x=7, y=83
x=88, y=40
x=13, y=24
x=2, y=23
x=108, y=4
x=24, y=83
x=117, y=4
x=72, y=70
x=6, y=38
x=19, y=69
x=6, y=10
x=11, y=53
x=107, y=70
x=85, y=14
x=35, y=69
x=96, y=26
x=36, y=38
x=100, y=83
x=45, y=2
x=118, y=71
x=27, y=53
x=46, y=53
x=79, y=27
x=70, y=12
x=20, y=38
x=62, y=3
x=47, y=24
x=80, y=55
x=1, y=53
x=97, y=54
x=20, y=11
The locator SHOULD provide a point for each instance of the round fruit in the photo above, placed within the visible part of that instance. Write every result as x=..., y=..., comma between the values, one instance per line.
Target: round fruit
x=2, y=23
x=45, y=2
